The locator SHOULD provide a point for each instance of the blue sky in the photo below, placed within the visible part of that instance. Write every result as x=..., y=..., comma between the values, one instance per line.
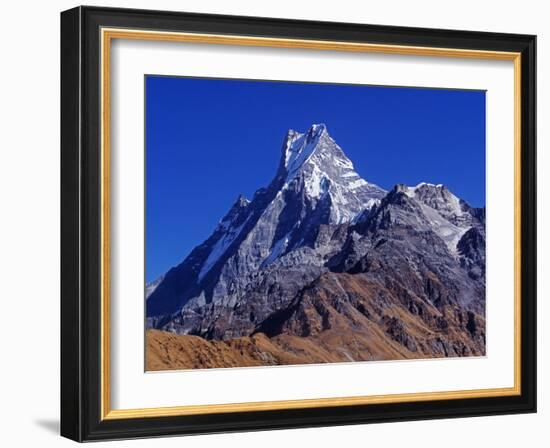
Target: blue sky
x=208, y=140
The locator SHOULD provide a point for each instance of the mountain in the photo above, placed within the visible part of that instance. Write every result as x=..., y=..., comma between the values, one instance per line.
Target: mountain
x=315, y=185
x=328, y=266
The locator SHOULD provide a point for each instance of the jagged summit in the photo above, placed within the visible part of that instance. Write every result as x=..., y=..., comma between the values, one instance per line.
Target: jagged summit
x=447, y=204
x=313, y=162
x=425, y=206
x=299, y=148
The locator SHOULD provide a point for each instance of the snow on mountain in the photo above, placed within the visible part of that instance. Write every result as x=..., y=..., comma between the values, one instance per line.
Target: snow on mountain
x=220, y=247
x=449, y=216
x=428, y=207
x=317, y=161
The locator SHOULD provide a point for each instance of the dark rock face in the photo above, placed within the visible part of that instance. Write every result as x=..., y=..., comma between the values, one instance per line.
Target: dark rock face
x=471, y=248
x=320, y=250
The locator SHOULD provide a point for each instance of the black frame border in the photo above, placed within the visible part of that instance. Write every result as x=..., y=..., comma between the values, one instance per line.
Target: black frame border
x=81, y=224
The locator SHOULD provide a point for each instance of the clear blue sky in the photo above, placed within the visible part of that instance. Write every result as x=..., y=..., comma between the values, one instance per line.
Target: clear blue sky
x=209, y=140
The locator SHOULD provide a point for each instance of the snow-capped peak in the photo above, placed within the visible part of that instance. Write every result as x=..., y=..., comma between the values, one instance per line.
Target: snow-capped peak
x=449, y=216
x=299, y=147
x=312, y=160
x=436, y=196
x=313, y=148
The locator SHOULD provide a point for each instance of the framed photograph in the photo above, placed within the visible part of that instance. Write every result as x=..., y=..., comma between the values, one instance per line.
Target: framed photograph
x=276, y=224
